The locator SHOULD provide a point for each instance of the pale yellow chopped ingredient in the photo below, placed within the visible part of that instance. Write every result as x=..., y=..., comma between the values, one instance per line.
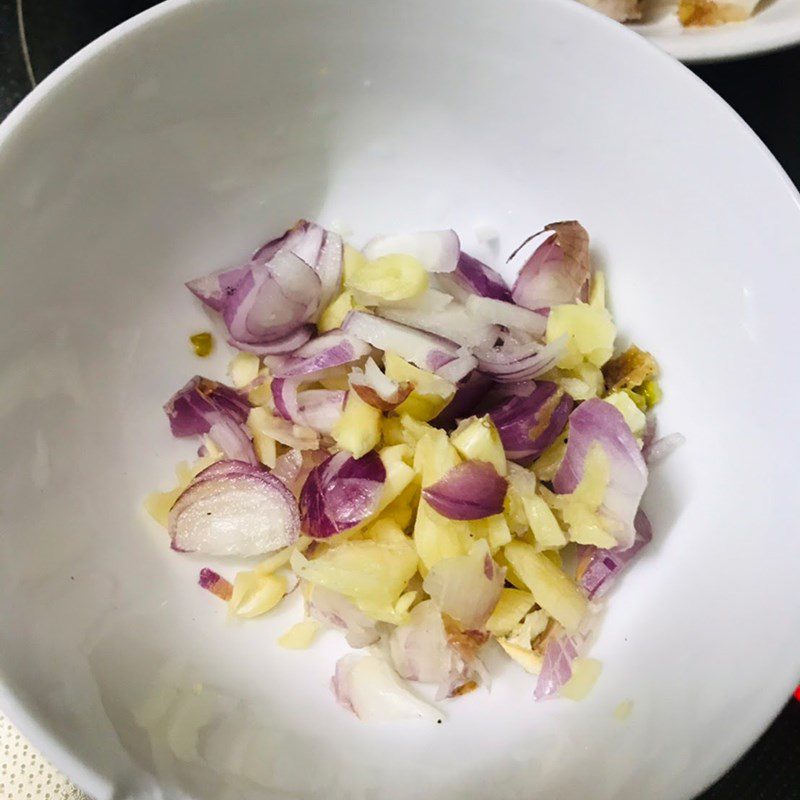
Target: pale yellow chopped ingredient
x=634, y=417
x=552, y=589
x=546, y=466
x=477, y=439
x=335, y=312
x=597, y=294
x=431, y=393
x=275, y=561
x=493, y=529
x=299, y=636
x=527, y=630
x=590, y=333
x=512, y=606
x=243, y=369
x=265, y=446
x=375, y=572
x=623, y=710
x=255, y=594
x=579, y=510
x=582, y=382
x=437, y=537
x=585, y=672
x=392, y=431
x=358, y=429
x=352, y=260
x=261, y=395
x=389, y=278
x=527, y=659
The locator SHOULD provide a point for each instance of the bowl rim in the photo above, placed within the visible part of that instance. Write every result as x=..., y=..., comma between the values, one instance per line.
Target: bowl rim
x=58, y=753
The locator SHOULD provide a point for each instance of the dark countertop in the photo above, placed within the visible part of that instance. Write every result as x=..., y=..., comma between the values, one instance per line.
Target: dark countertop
x=764, y=90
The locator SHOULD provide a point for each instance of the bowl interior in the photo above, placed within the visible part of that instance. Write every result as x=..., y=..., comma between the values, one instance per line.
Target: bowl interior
x=179, y=147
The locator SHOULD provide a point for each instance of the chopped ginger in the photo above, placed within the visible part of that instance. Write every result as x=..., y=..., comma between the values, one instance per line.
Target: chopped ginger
x=299, y=636
x=389, y=278
x=590, y=333
x=585, y=672
x=243, y=369
x=255, y=594
x=333, y=315
x=358, y=429
x=551, y=588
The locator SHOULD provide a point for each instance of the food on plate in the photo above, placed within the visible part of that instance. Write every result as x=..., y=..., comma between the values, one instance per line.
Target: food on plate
x=691, y=13
x=438, y=462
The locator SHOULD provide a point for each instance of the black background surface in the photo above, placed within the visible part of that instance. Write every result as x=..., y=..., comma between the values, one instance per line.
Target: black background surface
x=764, y=90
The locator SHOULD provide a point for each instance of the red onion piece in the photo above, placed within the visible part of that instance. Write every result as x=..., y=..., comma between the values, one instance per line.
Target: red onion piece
x=329, y=267
x=428, y=352
x=332, y=349
x=335, y=609
x=369, y=687
x=657, y=450
x=469, y=394
x=478, y=278
x=287, y=344
x=290, y=433
x=304, y=239
x=200, y=403
x=204, y=406
x=452, y=322
x=499, y=312
x=459, y=368
x=341, y=493
x=529, y=424
x=284, y=396
x=604, y=566
x=320, y=249
x=214, y=289
x=320, y=409
x=216, y=584
x=598, y=421
x=558, y=271
x=422, y=650
x=557, y=666
x=234, y=440
x=437, y=251
x=376, y=389
x=233, y=508
x=272, y=300
x=466, y=588
x=512, y=361
x=472, y=490
x=294, y=466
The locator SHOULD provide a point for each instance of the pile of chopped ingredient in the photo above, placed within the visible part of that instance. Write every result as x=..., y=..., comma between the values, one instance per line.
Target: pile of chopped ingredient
x=436, y=461
x=691, y=13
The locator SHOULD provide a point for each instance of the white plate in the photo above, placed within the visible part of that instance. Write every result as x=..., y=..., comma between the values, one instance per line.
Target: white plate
x=776, y=24
x=184, y=138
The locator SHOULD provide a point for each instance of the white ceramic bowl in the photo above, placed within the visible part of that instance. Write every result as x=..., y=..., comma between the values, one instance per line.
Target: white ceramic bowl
x=775, y=24
x=187, y=136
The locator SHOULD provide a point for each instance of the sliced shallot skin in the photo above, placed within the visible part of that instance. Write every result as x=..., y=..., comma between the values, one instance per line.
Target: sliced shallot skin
x=558, y=271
